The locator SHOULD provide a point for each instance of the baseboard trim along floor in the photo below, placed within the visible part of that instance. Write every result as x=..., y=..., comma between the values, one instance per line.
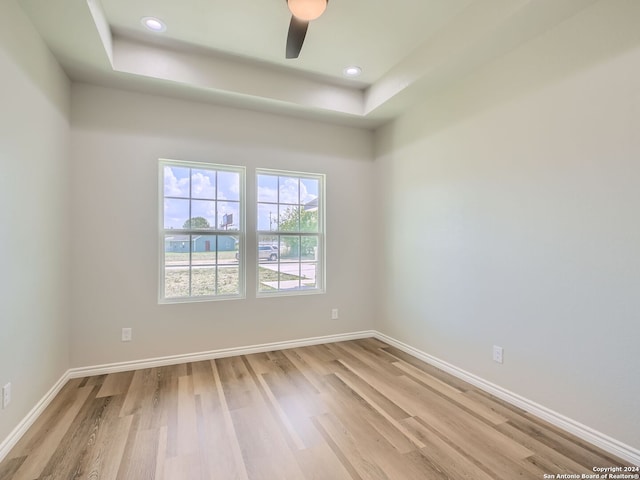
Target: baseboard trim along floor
x=213, y=354
x=584, y=432
x=17, y=433
x=611, y=445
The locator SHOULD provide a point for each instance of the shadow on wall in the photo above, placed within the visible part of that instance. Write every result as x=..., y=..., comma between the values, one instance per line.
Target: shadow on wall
x=20, y=42
x=606, y=30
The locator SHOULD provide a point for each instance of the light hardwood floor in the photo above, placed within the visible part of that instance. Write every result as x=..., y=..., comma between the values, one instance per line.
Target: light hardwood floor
x=348, y=410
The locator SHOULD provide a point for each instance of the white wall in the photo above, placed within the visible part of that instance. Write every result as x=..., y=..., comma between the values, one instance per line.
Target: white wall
x=512, y=219
x=117, y=139
x=34, y=220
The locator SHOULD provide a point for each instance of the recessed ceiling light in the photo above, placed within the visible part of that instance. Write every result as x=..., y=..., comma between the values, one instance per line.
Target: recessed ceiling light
x=154, y=24
x=352, y=71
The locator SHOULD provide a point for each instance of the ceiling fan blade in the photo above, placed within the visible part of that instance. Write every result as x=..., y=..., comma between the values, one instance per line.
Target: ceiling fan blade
x=295, y=37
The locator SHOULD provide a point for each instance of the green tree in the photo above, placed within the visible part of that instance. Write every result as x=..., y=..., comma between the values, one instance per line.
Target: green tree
x=297, y=219
x=196, y=222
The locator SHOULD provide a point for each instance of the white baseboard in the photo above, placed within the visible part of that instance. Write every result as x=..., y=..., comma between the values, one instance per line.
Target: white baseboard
x=605, y=442
x=588, y=434
x=213, y=354
x=17, y=433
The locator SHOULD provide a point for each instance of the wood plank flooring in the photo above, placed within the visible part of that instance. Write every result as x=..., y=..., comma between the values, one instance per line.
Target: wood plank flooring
x=348, y=410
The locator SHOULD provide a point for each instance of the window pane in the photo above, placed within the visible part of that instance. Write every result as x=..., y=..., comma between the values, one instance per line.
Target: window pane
x=308, y=275
x=289, y=269
x=290, y=248
x=270, y=241
x=309, y=220
x=176, y=182
x=289, y=218
x=309, y=247
x=308, y=189
x=176, y=259
x=203, y=281
x=227, y=249
x=203, y=214
x=289, y=281
x=267, y=279
x=203, y=184
x=176, y=282
x=176, y=249
x=228, y=186
x=203, y=250
x=268, y=253
x=176, y=213
x=267, y=217
x=289, y=190
x=228, y=280
x=268, y=250
x=268, y=188
x=228, y=215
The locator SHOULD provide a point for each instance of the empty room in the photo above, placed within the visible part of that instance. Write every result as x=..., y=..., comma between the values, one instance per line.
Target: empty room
x=302, y=239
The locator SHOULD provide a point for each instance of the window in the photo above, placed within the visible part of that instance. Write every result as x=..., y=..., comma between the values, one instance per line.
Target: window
x=290, y=229
x=202, y=231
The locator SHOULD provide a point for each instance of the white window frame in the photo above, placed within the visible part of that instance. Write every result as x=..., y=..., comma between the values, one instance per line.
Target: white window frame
x=240, y=233
x=321, y=234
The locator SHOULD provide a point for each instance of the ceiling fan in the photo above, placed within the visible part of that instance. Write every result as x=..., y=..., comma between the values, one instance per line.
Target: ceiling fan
x=302, y=12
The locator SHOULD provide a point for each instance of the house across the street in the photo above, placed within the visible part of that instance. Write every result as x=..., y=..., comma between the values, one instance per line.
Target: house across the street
x=201, y=243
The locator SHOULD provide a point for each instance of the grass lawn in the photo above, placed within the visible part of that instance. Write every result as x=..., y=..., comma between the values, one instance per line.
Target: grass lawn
x=203, y=281
x=206, y=275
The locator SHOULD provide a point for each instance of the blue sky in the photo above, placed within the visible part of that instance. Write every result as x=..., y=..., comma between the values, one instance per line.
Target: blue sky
x=206, y=201
x=288, y=191
x=276, y=194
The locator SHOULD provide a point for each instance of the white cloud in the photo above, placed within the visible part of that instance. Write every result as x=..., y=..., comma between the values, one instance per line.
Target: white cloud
x=289, y=190
x=174, y=187
x=266, y=194
x=175, y=213
x=305, y=196
x=288, y=193
x=201, y=186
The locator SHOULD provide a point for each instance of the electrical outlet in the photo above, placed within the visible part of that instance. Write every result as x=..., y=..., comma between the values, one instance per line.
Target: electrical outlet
x=126, y=335
x=498, y=354
x=6, y=395
x=334, y=314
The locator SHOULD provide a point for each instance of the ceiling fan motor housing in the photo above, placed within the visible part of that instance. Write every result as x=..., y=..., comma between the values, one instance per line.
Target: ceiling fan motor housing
x=307, y=9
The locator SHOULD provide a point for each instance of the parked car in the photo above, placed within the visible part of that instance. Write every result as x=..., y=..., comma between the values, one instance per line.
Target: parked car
x=265, y=252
